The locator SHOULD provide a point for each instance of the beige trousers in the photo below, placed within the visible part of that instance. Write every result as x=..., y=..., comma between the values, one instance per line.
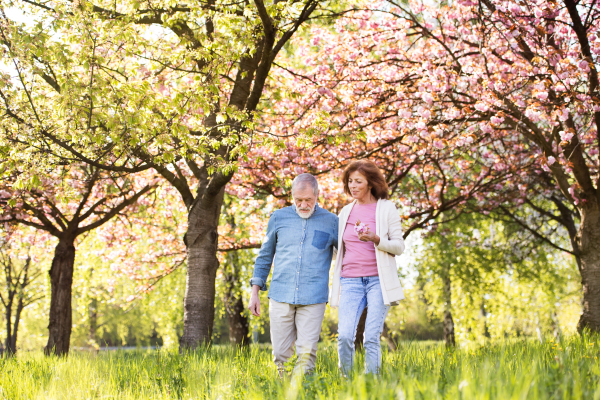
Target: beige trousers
x=297, y=324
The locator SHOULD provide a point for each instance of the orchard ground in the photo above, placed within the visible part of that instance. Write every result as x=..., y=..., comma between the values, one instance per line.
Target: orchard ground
x=509, y=369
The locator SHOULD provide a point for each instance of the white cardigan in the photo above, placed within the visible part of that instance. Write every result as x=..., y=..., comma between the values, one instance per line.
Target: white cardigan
x=391, y=243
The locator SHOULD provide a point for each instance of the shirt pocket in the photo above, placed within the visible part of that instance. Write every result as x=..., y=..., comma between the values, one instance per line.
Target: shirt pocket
x=320, y=239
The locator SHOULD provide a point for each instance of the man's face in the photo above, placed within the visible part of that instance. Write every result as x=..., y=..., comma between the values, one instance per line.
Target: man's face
x=305, y=200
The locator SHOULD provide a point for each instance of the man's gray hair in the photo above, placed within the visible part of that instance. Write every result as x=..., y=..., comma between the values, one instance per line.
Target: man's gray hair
x=304, y=180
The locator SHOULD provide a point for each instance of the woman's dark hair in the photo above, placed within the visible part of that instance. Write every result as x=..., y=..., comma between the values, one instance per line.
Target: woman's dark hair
x=375, y=179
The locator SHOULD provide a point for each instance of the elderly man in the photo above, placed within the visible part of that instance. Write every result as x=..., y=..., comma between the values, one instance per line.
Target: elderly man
x=300, y=243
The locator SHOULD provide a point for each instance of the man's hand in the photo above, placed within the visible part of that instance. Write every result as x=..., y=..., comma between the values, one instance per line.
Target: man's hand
x=254, y=305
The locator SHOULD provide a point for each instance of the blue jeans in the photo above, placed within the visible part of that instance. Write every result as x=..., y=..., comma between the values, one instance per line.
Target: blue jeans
x=356, y=294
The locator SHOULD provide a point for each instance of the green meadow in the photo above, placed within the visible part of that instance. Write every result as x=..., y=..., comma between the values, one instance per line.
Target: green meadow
x=516, y=369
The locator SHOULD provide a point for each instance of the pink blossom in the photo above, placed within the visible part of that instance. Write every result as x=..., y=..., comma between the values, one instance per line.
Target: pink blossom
x=514, y=8
x=564, y=115
x=551, y=160
x=359, y=227
x=427, y=97
x=565, y=136
x=559, y=87
x=532, y=114
x=497, y=120
x=481, y=107
x=403, y=113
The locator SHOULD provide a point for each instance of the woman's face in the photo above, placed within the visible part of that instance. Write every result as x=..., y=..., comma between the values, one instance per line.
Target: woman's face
x=359, y=186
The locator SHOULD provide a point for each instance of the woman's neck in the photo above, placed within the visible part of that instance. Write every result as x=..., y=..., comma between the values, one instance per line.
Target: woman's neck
x=368, y=199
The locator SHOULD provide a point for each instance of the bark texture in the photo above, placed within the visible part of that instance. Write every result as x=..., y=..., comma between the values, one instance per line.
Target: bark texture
x=239, y=327
x=61, y=281
x=588, y=241
x=448, y=321
x=239, y=330
x=15, y=286
x=11, y=337
x=201, y=241
x=392, y=345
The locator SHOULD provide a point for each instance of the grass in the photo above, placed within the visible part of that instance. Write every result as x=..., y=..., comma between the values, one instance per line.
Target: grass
x=505, y=370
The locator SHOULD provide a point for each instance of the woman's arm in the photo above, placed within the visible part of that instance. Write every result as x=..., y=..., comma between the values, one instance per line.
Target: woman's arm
x=394, y=242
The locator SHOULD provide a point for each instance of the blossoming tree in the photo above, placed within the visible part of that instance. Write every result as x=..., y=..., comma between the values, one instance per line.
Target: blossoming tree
x=21, y=251
x=66, y=204
x=487, y=99
x=156, y=85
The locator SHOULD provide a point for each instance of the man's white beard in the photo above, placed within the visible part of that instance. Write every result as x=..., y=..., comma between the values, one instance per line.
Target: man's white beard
x=306, y=214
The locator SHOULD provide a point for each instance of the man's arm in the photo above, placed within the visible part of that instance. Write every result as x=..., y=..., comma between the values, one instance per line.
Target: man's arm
x=262, y=266
x=254, y=304
x=336, y=245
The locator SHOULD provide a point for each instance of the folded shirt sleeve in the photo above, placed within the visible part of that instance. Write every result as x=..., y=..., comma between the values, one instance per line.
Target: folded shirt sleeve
x=262, y=265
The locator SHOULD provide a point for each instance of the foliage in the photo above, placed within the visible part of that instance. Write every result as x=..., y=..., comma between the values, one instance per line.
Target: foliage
x=113, y=308
x=486, y=105
x=504, y=284
x=68, y=200
x=499, y=370
x=21, y=253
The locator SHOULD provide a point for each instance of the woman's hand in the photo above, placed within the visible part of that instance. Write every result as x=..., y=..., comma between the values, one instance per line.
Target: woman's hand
x=369, y=236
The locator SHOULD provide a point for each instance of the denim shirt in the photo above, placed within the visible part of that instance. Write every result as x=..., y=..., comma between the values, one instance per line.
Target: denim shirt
x=300, y=250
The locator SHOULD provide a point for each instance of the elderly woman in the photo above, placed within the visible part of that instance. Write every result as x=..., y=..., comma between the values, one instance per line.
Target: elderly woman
x=365, y=273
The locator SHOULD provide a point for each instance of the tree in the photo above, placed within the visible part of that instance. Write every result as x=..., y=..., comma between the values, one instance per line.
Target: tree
x=470, y=104
x=494, y=279
x=20, y=270
x=184, y=105
x=66, y=204
x=343, y=100
x=540, y=81
x=242, y=221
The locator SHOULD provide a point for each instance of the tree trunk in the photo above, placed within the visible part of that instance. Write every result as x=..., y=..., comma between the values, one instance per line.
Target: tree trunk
x=360, y=331
x=486, y=331
x=589, y=246
x=239, y=330
x=201, y=240
x=12, y=347
x=61, y=281
x=93, y=315
x=9, y=341
x=392, y=345
x=448, y=321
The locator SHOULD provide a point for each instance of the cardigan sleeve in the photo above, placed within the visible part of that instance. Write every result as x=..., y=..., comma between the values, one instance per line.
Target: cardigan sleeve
x=394, y=242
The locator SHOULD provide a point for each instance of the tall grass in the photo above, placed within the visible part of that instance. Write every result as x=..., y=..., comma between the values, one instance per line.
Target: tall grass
x=506, y=370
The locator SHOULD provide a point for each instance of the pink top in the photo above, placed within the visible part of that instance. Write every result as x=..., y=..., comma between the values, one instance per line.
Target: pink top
x=359, y=257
